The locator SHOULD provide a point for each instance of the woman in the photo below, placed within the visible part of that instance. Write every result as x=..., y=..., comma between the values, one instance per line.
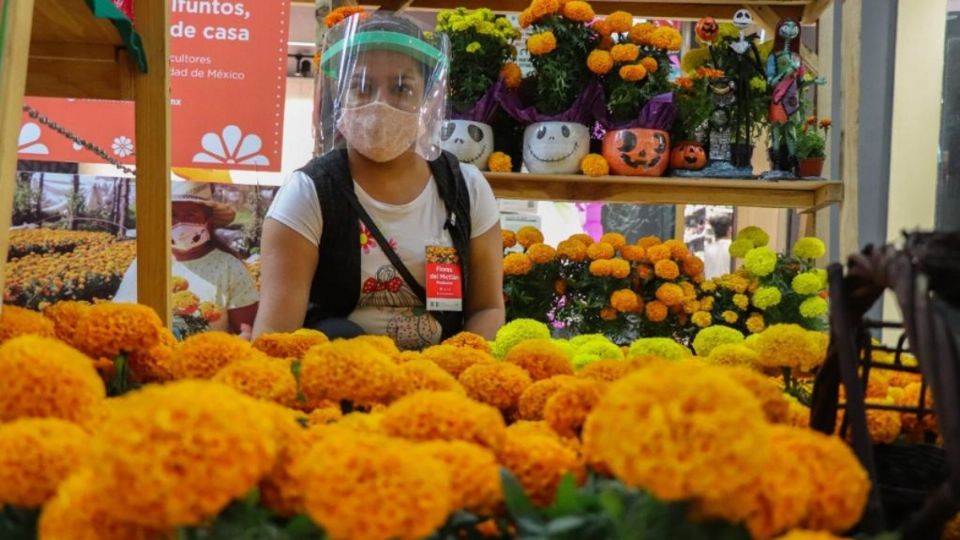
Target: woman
x=323, y=264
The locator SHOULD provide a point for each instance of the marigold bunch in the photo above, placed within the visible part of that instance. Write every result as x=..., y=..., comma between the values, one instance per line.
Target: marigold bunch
x=498, y=384
x=839, y=481
x=517, y=331
x=444, y=416
x=539, y=462
x=534, y=398
x=734, y=354
x=662, y=347
x=517, y=264
x=36, y=455
x=760, y=261
x=108, y=330
x=567, y=409
x=809, y=248
x=711, y=338
x=456, y=360
x=261, y=378
x=767, y=391
x=528, y=236
x=292, y=345
x=468, y=340
x=606, y=370
x=17, y=321
x=348, y=371
x=540, y=358
x=202, y=355
x=475, y=475
x=788, y=345
x=423, y=374
x=600, y=62
x=65, y=316
x=202, y=441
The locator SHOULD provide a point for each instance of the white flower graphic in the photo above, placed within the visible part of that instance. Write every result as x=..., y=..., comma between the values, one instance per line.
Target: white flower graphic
x=28, y=142
x=122, y=146
x=231, y=147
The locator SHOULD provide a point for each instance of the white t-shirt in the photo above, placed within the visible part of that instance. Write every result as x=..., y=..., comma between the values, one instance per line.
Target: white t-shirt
x=716, y=258
x=387, y=306
x=205, y=289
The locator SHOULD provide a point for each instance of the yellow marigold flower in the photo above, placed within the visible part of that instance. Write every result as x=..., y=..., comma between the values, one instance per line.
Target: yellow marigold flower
x=346, y=476
x=601, y=268
x=708, y=286
x=650, y=64
x=455, y=360
x=656, y=311
x=839, y=481
x=382, y=344
x=540, y=358
x=539, y=462
x=108, y=330
x=605, y=370
x=577, y=10
x=809, y=248
x=423, y=374
x=600, y=250
x=512, y=78
x=600, y=62
x=201, y=356
x=640, y=33
x=624, y=53
x=468, y=340
x=528, y=236
x=542, y=43
x=619, y=268
x=156, y=363
x=633, y=253
x=692, y=266
x=266, y=379
x=766, y=390
x=729, y=317
x=499, y=161
x=767, y=297
x=534, y=398
x=508, y=237
x=658, y=252
x=345, y=370
x=516, y=331
x=36, y=455
x=17, y=321
x=787, y=345
x=542, y=8
x=499, y=384
x=709, y=338
x=633, y=72
x=444, y=416
x=572, y=250
x=541, y=253
x=619, y=22
x=756, y=324
x=666, y=269
x=202, y=441
x=179, y=283
x=660, y=347
x=806, y=283
x=702, y=319
x=473, y=47
x=626, y=301
x=755, y=235
x=541, y=428
x=79, y=512
x=594, y=165
x=706, y=303
x=666, y=38
x=733, y=354
x=64, y=315
x=739, y=248
x=760, y=261
x=294, y=345
x=813, y=307
x=325, y=415
x=517, y=264
x=670, y=294
x=475, y=475
x=567, y=409
x=45, y=378
x=708, y=431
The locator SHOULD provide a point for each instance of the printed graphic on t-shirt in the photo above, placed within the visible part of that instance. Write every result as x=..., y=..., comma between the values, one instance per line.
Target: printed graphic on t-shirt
x=368, y=242
x=414, y=328
x=387, y=289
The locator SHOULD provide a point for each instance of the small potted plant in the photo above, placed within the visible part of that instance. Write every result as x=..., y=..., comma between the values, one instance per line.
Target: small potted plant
x=480, y=49
x=811, y=148
x=694, y=108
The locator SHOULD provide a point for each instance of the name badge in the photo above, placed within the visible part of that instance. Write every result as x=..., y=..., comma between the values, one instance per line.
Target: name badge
x=444, y=279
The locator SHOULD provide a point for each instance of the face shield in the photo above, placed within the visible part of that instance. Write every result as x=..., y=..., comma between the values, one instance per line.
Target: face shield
x=382, y=88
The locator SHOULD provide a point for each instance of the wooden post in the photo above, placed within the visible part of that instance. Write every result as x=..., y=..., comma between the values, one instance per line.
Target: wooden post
x=850, y=137
x=826, y=45
x=152, y=91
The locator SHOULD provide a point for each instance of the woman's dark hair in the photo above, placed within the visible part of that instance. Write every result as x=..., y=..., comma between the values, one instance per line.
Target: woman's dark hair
x=720, y=225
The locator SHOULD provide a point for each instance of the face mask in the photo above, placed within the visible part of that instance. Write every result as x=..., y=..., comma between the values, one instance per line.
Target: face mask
x=378, y=131
x=187, y=236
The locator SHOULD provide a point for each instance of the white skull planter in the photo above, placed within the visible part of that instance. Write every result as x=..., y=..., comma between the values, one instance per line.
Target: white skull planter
x=555, y=147
x=471, y=142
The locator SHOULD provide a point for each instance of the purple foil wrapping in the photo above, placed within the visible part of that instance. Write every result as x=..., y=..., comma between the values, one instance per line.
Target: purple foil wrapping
x=484, y=109
x=658, y=113
x=583, y=111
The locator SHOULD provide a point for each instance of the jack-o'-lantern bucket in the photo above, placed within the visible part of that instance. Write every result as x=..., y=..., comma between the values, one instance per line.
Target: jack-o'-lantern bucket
x=688, y=155
x=555, y=147
x=471, y=142
x=637, y=151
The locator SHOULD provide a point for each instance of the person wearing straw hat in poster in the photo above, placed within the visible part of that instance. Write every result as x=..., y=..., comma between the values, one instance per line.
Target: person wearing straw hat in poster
x=212, y=288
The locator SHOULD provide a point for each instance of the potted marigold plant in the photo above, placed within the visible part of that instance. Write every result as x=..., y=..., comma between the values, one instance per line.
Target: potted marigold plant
x=811, y=148
x=633, y=64
x=557, y=100
x=694, y=108
x=529, y=276
x=481, y=49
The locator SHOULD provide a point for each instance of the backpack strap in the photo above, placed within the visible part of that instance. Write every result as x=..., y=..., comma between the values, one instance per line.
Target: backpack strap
x=452, y=188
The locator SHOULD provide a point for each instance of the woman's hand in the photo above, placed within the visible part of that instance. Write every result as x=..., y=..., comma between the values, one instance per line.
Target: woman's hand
x=289, y=262
x=485, y=312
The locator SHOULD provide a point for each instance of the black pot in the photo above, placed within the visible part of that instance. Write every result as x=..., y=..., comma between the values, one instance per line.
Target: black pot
x=781, y=160
x=741, y=155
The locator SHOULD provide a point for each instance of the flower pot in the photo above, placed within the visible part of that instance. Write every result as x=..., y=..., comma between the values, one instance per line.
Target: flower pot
x=471, y=142
x=555, y=147
x=688, y=155
x=637, y=151
x=781, y=160
x=810, y=167
x=741, y=155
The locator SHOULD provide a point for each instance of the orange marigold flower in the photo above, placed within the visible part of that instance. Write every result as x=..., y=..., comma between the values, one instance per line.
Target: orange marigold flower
x=619, y=268
x=539, y=462
x=42, y=377
x=670, y=294
x=266, y=379
x=601, y=27
x=657, y=253
x=600, y=250
x=619, y=22
x=608, y=313
x=108, y=330
x=572, y=250
x=666, y=38
x=625, y=53
x=626, y=301
x=812, y=120
x=498, y=384
x=512, y=78
x=541, y=253
x=692, y=266
x=678, y=250
x=156, y=363
x=445, y=416
x=348, y=370
x=528, y=236
x=535, y=397
x=606, y=370
x=615, y=239
x=710, y=73
x=578, y=10
x=542, y=43
x=640, y=33
x=294, y=345
x=17, y=321
x=583, y=238
x=340, y=14
x=633, y=253
x=601, y=268
x=650, y=64
x=656, y=311
x=179, y=283
x=456, y=360
x=594, y=165
x=568, y=408
x=517, y=264
x=666, y=269
x=65, y=316
x=685, y=83
x=542, y=8
x=201, y=356
x=526, y=18
x=500, y=162
x=325, y=415
x=600, y=62
x=469, y=340
x=475, y=475
x=633, y=72
x=540, y=358
x=648, y=242
x=825, y=123
x=766, y=390
x=508, y=237
x=560, y=286
x=644, y=272
x=423, y=374
x=36, y=455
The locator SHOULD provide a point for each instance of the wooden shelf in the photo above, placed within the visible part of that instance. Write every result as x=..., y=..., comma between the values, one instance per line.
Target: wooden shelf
x=808, y=195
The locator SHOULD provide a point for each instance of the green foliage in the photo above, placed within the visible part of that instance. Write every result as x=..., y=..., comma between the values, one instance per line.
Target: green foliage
x=18, y=523
x=811, y=144
x=247, y=520
x=531, y=296
x=562, y=74
x=480, y=44
x=694, y=107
